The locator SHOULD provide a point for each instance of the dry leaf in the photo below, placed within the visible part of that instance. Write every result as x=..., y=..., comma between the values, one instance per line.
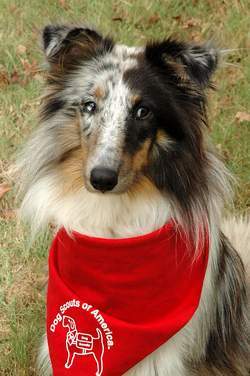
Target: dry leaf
x=117, y=18
x=30, y=68
x=8, y=213
x=154, y=19
x=21, y=49
x=4, y=80
x=119, y=15
x=177, y=18
x=4, y=188
x=14, y=77
x=63, y=4
x=242, y=116
x=12, y=8
x=192, y=22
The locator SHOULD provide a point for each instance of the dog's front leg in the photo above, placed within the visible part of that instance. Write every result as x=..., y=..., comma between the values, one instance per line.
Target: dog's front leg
x=71, y=356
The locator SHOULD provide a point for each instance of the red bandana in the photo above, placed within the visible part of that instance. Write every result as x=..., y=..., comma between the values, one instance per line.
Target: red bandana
x=111, y=302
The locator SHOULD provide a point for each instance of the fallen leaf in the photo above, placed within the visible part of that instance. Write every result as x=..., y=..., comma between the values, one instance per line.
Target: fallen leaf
x=192, y=22
x=12, y=8
x=4, y=188
x=119, y=15
x=14, y=77
x=8, y=213
x=64, y=4
x=177, y=18
x=30, y=68
x=4, y=79
x=154, y=19
x=21, y=49
x=117, y=18
x=242, y=116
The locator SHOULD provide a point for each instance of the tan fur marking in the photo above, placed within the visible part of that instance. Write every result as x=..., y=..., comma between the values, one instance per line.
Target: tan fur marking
x=161, y=138
x=99, y=92
x=142, y=186
x=71, y=171
x=135, y=99
x=71, y=166
x=141, y=157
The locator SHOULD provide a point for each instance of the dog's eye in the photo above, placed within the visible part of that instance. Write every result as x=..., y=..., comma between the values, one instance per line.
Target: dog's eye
x=142, y=113
x=89, y=107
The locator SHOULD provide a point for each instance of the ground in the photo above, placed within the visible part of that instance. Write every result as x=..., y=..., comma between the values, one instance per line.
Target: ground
x=22, y=265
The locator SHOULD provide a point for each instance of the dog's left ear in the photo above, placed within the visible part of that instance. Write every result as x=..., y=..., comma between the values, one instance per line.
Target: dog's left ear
x=66, y=45
x=197, y=62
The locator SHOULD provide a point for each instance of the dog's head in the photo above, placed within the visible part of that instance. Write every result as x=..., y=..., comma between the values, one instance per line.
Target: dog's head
x=117, y=118
x=68, y=322
x=118, y=110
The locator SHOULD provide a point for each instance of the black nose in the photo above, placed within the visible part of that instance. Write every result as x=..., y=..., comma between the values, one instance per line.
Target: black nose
x=103, y=178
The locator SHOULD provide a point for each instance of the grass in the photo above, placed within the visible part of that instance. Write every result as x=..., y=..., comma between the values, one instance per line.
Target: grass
x=22, y=267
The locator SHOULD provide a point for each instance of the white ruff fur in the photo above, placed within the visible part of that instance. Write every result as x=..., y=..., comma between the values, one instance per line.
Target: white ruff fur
x=108, y=215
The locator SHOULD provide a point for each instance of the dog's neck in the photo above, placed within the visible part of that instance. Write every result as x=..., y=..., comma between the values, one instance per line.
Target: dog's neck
x=140, y=211
x=114, y=216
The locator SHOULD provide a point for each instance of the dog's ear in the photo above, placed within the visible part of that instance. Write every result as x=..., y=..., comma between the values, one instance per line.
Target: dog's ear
x=195, y=62
x=67, y=45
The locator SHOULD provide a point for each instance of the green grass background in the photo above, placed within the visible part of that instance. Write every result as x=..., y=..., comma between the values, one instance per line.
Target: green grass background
x=23, y=268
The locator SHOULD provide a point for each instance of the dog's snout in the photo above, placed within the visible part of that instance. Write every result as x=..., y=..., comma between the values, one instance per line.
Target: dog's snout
x=103, y=179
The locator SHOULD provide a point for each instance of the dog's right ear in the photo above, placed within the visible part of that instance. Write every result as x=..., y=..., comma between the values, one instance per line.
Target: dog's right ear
x=197, y=62
x=65, y=45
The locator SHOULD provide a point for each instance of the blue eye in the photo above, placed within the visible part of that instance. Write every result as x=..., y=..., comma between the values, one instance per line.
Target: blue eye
x=142, y=113
x=89, y=107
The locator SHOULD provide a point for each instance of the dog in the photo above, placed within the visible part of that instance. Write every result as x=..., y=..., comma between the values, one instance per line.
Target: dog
x=122, y=148
x=83, y=344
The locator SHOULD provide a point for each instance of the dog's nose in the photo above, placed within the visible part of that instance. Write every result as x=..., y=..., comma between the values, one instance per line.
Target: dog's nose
x=103, y=179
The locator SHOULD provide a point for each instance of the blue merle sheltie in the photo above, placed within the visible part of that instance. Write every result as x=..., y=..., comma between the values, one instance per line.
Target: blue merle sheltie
x=122, y=148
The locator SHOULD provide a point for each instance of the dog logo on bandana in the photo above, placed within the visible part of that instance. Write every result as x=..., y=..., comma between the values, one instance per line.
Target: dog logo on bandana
x=83, y=344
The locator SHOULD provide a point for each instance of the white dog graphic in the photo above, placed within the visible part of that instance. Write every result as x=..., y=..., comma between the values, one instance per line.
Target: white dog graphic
x=83, y=344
